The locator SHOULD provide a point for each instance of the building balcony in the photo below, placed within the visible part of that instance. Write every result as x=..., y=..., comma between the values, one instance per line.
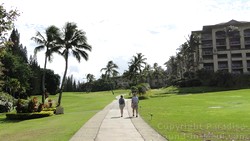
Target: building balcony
x=247, y=42
x=220, y=36
x=248, y=65
x=207, y=58
x=207, y=53
x=211, y=68
x=246, y=34
x=221, y=48
x=233, y=43
x=237, y=65
x=206, y=37
x=207, y=45
x=235, y=47
x=223, y=66
x=220, y=43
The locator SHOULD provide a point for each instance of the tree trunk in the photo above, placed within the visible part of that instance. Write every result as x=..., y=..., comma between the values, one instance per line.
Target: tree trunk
x=62, y=85
x=43, y=79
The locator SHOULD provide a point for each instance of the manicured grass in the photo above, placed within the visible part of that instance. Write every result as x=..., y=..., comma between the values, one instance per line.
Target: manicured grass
x=78, y=109
x=216, y=116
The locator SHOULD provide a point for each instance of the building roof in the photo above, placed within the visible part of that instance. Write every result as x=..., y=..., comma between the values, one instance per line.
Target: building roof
x=231, y=22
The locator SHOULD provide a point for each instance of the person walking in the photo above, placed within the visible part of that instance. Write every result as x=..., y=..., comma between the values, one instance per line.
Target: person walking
x=134, y=104
x=121, y=104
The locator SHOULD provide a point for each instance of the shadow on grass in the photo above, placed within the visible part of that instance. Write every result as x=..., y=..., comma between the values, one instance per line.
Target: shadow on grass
x=167, y=92
x=200, y=90
x=5, y=120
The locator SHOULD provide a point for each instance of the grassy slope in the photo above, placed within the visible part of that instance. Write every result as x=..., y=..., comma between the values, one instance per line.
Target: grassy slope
x=216, y=115
x=78, y=108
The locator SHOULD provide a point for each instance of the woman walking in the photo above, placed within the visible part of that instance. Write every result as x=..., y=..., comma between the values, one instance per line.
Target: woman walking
x=121, y=104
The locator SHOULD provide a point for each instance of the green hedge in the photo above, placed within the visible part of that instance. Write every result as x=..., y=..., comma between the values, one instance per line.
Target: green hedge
x=49, y=109
x=24, y=116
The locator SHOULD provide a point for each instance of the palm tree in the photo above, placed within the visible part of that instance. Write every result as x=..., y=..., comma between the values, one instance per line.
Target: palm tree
x=72, y=41
x=158, y=74
x=193, y=44
x=48, y=42
x=230, y=32
x=137, y=64
x=147, y=73
x=110, y=71
x=90, y=78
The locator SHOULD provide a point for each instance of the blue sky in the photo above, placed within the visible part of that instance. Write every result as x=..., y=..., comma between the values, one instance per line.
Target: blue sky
x=118, y=29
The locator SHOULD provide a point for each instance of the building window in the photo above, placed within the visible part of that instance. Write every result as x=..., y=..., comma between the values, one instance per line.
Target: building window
x=236, y=55
x=222, y=56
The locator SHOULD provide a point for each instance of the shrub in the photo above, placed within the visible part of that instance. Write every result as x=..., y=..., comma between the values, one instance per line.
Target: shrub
x=29, y=106
x=141, y=89
x=24, y=116
x=134, y=89
x=22, y=106
x=6, y=102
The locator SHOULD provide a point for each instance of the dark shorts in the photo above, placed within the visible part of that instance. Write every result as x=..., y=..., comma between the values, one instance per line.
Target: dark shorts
x=134, y=106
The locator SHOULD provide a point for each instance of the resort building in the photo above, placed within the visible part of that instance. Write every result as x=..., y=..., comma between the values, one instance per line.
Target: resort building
x=225, y=46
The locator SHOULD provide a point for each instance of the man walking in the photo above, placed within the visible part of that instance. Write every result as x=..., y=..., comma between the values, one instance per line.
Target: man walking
x=134, y=104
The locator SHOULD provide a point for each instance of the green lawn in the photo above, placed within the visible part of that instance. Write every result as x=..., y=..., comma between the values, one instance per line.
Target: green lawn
x=78, y=108
x=219, y=116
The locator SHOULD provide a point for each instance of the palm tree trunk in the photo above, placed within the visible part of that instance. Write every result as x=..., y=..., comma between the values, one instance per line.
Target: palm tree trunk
x=43, y=80
x=62, y=85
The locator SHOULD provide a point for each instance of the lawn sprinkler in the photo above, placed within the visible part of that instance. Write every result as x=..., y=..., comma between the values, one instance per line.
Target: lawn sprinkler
x=151, y=116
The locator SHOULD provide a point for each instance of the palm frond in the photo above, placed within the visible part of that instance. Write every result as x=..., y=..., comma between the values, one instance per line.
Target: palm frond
x=83, y=54
x=38, y=40
x=76, y=55
x=38, y=48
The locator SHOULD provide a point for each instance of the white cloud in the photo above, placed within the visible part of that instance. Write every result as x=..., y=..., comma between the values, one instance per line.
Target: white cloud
x=118, y=29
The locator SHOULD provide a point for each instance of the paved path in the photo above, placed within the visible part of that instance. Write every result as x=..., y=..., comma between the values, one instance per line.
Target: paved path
x=107, y=125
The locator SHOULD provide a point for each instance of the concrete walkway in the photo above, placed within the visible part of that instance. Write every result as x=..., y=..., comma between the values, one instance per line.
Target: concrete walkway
x=107, y=125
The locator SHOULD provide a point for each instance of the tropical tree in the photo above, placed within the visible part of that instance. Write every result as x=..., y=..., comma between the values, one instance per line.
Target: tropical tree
x=110, y=71
x=147, y=73
x=90, y=78
x=6, y=23
x=193, y=45
x=230, y=32
x=7, y=19
x=137, y=64
x=71, y=41
x=46, y=42
x=158, y=74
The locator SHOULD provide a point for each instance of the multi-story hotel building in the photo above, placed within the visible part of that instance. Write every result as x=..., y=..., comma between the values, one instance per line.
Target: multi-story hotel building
x=219, y=50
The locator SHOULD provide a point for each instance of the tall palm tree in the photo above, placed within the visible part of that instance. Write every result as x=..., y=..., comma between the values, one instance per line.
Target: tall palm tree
x=110, y=71
x=46, y=42
x=230, y=32
x=193, y=44
x=137, y=64
x=158, y=74
x=72, y=41
x=147, y=73
x=90, y=78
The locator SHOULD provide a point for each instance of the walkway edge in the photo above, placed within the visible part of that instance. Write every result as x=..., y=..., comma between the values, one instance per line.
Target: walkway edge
x=146, y=131
x=90, y=129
